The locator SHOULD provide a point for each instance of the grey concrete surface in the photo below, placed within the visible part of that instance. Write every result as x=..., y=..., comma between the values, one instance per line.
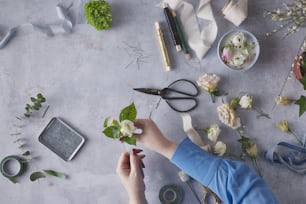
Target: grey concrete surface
x=88, y=75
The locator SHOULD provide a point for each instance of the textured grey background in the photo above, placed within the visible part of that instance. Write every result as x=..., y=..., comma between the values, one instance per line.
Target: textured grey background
x=89, y=75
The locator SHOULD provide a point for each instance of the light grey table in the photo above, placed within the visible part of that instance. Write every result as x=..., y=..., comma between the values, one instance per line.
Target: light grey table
x=89, y=75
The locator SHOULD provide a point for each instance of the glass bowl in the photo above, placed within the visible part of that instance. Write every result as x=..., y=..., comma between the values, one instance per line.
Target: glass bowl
x=238, y=50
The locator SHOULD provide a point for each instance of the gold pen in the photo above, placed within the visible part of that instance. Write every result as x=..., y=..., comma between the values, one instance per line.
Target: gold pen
x=163, y=47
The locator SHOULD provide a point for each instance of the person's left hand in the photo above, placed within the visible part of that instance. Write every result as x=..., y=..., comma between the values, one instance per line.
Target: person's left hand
x=129, y=169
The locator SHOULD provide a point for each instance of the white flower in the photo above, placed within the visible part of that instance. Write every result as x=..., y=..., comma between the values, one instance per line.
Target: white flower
x=183, y=176
x=238, y=40
x=227, y=116
x=220, y=148
x=209, y=82
x=238, y=60
x=246, y=101
x=127, y=128
x=213, y=132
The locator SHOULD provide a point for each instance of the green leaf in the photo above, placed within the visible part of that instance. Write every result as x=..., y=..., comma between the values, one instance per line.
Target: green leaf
x=245, y=142
x=302, y=103
x=37, y=175
x=33, y=99
x=55, y=173
x=130, y=140
x=128, y=113
x=27, y=153
x=303, y=82
x=105, y=122
x=39, y=95
x=234, y=103
x=217, y=93
x=12, y=179
x=112, y=132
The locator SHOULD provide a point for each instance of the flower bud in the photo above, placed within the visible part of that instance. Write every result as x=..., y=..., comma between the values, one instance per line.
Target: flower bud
x=252, y=151
x=283, y=126
x=282, y=100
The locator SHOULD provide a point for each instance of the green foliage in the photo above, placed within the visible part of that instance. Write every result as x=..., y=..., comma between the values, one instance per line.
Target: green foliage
x=112, y=128
x=302, y=103
x=98, y=14
x=128, y=113
x=245, y=143
x=37, y=175
x=37, y=104
x=56, y=174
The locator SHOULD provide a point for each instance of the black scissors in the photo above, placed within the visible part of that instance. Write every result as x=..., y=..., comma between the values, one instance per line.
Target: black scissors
x=171, y=94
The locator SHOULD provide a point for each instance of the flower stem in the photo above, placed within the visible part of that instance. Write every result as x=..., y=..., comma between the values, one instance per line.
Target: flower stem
x=193, y=191
x=296, y=136
x=261, y=113
x=257, y=167
x=212, y=96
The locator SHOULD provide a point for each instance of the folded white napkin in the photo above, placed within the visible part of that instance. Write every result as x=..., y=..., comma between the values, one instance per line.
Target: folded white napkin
x=236, y=12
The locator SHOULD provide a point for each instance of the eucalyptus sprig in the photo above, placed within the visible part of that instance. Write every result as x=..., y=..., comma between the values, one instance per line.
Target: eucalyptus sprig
x=124, y=129
x=38, y=174
x=37, y=104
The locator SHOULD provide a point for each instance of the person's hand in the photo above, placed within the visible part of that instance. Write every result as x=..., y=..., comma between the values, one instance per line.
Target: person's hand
x=129, y=169
x=152, y=138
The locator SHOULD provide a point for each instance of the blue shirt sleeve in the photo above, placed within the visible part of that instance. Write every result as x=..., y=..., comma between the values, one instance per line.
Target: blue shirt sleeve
x=233, y=181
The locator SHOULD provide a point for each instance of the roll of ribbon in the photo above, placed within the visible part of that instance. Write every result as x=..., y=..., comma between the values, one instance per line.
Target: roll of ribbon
x=170, y=194
x=12, y=166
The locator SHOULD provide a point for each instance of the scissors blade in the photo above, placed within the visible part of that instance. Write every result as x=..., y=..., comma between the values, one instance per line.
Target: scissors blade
x=148, y=91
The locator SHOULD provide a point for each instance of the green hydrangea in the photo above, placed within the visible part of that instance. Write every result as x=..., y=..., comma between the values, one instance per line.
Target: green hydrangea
x=98, y=14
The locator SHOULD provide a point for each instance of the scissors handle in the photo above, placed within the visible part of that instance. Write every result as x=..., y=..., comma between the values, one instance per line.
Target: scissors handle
x=174, y=96
x=182, y=98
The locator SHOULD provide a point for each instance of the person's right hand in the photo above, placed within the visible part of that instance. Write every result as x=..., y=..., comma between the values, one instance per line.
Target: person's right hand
x=152, y=138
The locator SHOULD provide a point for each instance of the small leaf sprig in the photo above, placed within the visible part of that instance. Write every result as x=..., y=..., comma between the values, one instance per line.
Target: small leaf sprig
x=124, y=129
x=301, y=102
x=250, y=149
x=245, y=101
x=291, y=16
x=42, y=174
x=37, y=104
x=284, y=127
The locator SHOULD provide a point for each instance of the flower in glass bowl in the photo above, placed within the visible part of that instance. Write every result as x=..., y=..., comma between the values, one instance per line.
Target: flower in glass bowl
x=238, y=50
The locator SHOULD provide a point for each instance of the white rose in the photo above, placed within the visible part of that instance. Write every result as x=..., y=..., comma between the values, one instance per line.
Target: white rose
x=227, y=116
x=127, y=128
x=238, y=60
x=213, y=132
x=209, y=82
x=220, y=148
x=246, y=101
x=238, y=40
